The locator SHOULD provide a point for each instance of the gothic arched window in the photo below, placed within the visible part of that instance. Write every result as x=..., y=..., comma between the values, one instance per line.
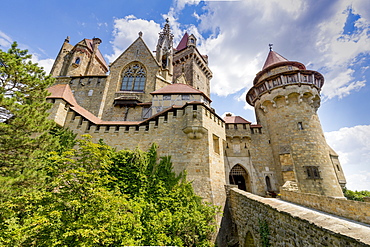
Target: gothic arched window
x=133, y=78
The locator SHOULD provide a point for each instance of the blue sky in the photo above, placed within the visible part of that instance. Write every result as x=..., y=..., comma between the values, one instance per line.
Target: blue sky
x=330, y=36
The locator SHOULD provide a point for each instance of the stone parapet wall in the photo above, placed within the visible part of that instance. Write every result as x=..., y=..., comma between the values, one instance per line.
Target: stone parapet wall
x=261, y=220
x=355, y=210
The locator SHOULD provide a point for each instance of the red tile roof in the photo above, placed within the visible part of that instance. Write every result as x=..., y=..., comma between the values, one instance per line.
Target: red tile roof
x=63, y=91
x=179, y=88
x=183, y=43
x=272, y=58
x=235, y=120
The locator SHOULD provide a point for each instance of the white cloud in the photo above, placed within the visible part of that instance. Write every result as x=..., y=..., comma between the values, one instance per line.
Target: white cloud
x=5, y=41
x=303, y=31
x=353, y=146
x=47, y=64
x=126, y=31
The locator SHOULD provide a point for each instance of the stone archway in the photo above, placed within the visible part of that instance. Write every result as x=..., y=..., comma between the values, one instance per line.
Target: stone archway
x=239, y=176
x=249, y=241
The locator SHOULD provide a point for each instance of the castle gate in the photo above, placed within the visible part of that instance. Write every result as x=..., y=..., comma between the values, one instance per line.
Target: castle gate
x=239, y=176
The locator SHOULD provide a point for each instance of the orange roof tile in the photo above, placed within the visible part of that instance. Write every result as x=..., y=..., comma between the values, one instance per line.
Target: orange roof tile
x=235, y=120
x=177, y=88
x=62, y=91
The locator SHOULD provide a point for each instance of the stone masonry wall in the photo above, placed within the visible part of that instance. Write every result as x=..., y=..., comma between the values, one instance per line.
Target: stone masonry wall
x=281, y=223
x=193, y=153
x=355, y=210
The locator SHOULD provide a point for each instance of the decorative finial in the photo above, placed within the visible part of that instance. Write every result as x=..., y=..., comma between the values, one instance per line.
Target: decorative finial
x=140, y=33
x=67, y=39
x=271, y=46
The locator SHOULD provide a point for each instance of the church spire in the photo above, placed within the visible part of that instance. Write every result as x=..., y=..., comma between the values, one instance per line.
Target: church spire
x=164, y=51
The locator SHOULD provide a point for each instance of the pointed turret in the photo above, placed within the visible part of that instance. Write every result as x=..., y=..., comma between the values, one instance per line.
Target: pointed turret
x=272, y=58
x=188, y=62
x=164, y=51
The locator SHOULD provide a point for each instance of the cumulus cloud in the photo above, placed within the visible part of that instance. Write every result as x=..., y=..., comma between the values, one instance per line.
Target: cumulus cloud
x=47, y=64
x=353, y=147
x=306, y=31
x=126, y=31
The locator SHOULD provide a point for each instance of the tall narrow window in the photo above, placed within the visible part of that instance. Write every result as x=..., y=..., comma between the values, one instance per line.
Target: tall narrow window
x=77, y=61
x=300, y=126
x=133, y=78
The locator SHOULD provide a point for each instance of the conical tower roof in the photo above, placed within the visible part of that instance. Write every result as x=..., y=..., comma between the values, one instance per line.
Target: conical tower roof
x=183, y=43
x=273, y=58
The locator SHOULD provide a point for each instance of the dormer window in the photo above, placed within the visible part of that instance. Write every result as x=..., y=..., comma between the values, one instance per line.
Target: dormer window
x=133, y=78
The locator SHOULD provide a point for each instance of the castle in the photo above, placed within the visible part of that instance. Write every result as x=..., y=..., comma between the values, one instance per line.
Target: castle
x=164, y=97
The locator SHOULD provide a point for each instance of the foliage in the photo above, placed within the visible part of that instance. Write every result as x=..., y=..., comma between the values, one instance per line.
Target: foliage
x=264, y=233
x=356, y=195
x=23, y=109
x=97, y=196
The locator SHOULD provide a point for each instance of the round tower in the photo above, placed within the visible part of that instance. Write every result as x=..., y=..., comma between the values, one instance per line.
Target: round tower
x=286, y=97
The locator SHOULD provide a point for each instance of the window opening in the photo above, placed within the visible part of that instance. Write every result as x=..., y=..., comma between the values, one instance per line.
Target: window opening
x=134, y=78
x=313, y=172
x=185, y=97
x=77, y=61
x=300, y=126
x=216, y=144
x=268, y=183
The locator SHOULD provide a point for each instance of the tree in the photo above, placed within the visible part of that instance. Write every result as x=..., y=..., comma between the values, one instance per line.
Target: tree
x=23, y=109
x=97, y=196
x=356, y=195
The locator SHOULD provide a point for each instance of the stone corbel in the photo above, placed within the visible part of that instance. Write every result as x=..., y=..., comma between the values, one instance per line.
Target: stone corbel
x=273, y=103
x=264, y=109
x=310, y=99
x=194, y=132
x=300, y=100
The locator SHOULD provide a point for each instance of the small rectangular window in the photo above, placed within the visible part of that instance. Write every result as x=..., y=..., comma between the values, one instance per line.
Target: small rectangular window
x=313, y=172
x=185, y=97
x=166, y=97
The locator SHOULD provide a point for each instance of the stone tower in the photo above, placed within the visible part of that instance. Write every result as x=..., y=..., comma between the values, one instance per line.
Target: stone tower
x=188, y=62
x=286, y=97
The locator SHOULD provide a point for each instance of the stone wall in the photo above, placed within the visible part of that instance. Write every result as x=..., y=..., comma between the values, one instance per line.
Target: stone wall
x=261, y=220
x=355, y=210
x=190, y=135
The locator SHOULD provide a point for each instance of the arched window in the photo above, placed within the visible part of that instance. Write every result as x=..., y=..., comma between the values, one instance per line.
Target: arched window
x=133, y=78
x=77, y=61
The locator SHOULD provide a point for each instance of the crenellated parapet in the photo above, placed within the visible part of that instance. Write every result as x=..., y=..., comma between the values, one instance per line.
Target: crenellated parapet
x=285, y=80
